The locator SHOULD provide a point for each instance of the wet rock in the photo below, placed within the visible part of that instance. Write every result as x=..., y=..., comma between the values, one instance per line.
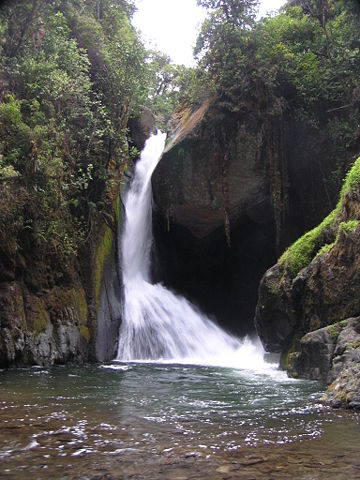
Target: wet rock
x=232, y=188
x=311, y=297
x=141, y=128
x=345, y=390
x=214, y=221
x=197, y=176
x=315, y=356
x=347, y=349
x=274, y=319
x=42, y=330
x=331, y=355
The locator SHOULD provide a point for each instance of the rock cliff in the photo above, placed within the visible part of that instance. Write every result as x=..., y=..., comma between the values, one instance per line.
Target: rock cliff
x=309, y=302
x=54, y=311
x=231, y=190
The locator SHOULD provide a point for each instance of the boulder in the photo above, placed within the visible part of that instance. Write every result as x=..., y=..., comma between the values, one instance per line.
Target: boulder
x=206, y=175
x=314, y=359
x=275, y=321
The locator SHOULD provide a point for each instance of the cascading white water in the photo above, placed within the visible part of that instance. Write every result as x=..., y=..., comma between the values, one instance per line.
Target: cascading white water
x=157, y=324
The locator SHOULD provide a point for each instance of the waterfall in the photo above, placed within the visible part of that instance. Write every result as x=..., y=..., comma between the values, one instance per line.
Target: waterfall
x=157, y=324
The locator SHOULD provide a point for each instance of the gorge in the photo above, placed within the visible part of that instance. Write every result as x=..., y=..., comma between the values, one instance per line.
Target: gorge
x=154, y=412
x=189, y=311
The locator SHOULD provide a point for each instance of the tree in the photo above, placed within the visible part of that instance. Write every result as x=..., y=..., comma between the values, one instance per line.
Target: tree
x=223, y=40
x=239, y=13
x=72, y=72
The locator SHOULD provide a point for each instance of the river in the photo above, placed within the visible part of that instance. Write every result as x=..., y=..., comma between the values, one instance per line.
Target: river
x=159, y=421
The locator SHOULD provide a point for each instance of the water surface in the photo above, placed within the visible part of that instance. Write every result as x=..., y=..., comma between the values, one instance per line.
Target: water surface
x=148, y=421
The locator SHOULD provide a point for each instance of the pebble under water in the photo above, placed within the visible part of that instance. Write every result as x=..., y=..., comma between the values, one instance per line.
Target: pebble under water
x=153, y=421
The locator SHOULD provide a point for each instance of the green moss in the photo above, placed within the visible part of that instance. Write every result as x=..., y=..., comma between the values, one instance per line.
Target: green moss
x=40, y=319
x=352, y=181
x=334, y=332
x=74, y=298
x=349, y=226
x=84, y=331
x=335, y=329
x=103, y=252
x=81, y=305
x=300, y=253
x=273, y=286
x=326, y=248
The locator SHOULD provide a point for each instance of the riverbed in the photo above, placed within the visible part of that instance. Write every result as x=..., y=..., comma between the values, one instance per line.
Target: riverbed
x=155, y=421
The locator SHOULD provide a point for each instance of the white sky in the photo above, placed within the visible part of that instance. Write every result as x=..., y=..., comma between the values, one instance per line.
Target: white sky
x=172, y=25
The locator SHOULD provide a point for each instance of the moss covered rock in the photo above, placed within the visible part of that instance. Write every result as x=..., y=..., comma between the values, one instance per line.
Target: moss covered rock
x=42, y=329
x=305, y=300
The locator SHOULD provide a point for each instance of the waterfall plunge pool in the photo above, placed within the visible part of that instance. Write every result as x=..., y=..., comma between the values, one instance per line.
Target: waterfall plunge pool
x=185, y=419
x=159, y=421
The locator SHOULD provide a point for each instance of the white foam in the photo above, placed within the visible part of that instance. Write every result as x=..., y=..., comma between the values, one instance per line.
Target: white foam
x=158, y=325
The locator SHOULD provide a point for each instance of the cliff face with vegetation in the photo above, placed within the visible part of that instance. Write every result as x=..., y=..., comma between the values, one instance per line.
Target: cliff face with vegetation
x=309, y=306
x=72, y=75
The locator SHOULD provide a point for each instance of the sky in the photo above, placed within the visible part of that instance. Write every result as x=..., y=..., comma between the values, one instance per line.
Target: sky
x=172, y=25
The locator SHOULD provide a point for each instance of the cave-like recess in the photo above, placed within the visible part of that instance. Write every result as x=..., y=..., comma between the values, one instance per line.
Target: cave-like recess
x=221, y=281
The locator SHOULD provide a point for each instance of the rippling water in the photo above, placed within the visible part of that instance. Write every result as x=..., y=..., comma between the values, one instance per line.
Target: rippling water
x=148, y=421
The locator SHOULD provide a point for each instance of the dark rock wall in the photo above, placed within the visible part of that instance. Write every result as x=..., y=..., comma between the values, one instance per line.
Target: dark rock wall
x=141, y=128
x=214, y=224
x=232, y=190
x=331, y=355
x=45, y=328
x=222, y=281
x=109, y=311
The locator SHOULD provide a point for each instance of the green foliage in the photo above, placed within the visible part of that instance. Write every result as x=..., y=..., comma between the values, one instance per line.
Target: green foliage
x=169, y=84
x=73, y=72
x=304, y=62
x=237, y=12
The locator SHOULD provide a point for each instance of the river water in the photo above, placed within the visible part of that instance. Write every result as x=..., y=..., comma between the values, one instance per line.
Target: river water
x=159, y=421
